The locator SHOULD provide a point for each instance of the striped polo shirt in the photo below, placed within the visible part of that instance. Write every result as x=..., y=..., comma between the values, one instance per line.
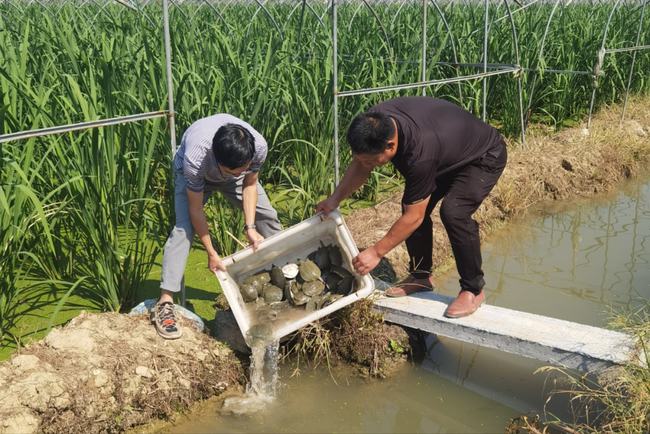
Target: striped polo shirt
x=195, y=159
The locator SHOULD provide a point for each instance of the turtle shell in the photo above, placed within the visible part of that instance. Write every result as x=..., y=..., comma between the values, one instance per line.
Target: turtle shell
x=290, y=271
x=256, y=281
x=340, y=271
x=331, y=280
x=277, y=277
x=272, y=293
x=312, y=288
x=299, y=298
x=321, y=258
x=345, y=285
x=264, y=277
x=334, y=255
x=309, y=271
x=248, y=292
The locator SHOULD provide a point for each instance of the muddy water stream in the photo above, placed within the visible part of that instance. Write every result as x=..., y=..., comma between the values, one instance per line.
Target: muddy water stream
x=575, y=264
x=263, y=382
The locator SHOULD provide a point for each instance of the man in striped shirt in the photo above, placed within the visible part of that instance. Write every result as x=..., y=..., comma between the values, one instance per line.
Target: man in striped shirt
x=217, y=153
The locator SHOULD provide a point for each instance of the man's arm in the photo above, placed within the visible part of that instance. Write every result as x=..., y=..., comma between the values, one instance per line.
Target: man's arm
x=355, y=176
x=249, y=204
x=197, y=216
x=409, y=221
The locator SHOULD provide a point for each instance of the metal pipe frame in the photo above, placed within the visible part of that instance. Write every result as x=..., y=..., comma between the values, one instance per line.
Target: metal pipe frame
x=599, y=61
x=485, y=57
x=61, y=129
x=170, y=77
x=629, y=77
x=496, y=69
x=423, y=84
x=453, y=44
x=335, y=89
x=628, y=49
x=170, y=102
x=428, y=83
x=540, y=56
x=520, y=92
x=423, y=75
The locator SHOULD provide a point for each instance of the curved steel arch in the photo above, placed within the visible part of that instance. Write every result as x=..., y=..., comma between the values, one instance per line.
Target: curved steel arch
x=540, y=57
x=636, y=44
x=453, y=44
x=515, y=41
x=600, y=60
x=261, y=6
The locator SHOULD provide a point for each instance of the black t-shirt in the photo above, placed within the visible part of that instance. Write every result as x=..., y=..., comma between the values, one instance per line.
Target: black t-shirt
x=435, y=137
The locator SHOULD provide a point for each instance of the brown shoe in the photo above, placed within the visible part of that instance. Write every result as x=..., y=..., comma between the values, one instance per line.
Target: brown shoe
x=409, y=286
x=465, y=304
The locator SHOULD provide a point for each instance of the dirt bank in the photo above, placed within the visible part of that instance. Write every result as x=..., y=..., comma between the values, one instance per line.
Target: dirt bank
x=109, y=372
x=552, y=166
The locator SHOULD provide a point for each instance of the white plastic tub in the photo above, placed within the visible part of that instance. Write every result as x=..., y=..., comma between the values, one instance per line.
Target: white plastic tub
x=285, y=247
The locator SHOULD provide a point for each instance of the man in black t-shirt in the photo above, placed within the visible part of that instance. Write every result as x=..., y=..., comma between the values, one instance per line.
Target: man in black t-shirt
x=443, y=152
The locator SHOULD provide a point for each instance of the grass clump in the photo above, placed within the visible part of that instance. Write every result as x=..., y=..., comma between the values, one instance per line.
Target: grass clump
x=356, y=335
x=616, y=400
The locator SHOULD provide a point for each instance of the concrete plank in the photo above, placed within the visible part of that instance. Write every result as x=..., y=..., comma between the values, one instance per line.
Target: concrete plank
x=558, y=342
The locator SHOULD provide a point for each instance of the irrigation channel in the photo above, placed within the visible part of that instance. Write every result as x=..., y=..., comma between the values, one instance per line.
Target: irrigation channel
x=576, y=264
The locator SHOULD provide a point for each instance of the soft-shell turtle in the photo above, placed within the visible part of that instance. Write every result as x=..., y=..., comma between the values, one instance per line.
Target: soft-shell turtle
x=264, y=277
x=294, y=293
x=310, y=306
x=277, y=277
x=309, y=271
x=335, y=255
x=248, y=292
x=290, y=271
x=321, y=257
x=312, y=288
x=259, y=334
x=331, y=280
x=345, y=285
x=299, y=298
x=342, y=272
x=272, y=293
x=257, y=281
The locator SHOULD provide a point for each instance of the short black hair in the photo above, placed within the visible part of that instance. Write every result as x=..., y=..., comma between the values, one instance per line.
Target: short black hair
x=369, y=132
x=233, y=146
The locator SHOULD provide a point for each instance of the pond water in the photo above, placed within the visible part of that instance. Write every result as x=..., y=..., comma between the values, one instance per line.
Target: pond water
x=575, y=264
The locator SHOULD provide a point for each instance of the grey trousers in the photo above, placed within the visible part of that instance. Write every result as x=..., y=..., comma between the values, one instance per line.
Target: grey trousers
x=177, y=247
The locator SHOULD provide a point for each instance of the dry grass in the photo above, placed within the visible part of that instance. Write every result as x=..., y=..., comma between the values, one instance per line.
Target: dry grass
x=552, y=166
x=356, y=335
x=109, y=372
x=616, y=400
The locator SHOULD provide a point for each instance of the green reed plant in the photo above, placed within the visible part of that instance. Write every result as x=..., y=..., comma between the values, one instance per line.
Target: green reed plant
x=26, y=238
x=67, y=63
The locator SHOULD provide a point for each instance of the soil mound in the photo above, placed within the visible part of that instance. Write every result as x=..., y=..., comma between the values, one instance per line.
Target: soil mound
x=109, y=372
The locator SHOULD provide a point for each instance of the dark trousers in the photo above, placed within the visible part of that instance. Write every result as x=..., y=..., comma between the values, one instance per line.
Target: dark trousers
x=461, y=191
